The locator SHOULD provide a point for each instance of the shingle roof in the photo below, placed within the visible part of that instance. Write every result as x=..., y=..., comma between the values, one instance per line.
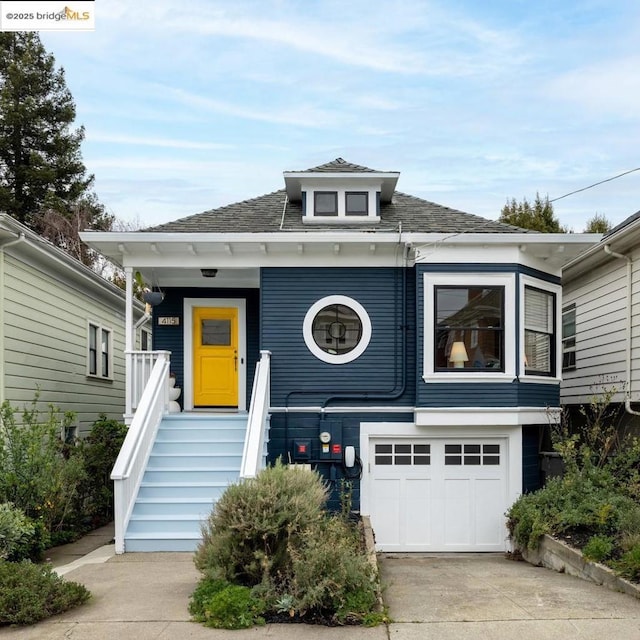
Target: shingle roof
x=265, y=214
x=339, y=166
x=623, y=224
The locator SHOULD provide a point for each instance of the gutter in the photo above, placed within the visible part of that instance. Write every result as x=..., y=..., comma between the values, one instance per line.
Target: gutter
x=620, y=256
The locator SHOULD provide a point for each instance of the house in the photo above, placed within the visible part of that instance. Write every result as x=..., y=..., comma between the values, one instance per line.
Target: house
x=61, y=330
x=601, y=315
x=407, y=347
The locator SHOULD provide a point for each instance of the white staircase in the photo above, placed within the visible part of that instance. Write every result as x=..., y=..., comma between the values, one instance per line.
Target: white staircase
x=192, y=461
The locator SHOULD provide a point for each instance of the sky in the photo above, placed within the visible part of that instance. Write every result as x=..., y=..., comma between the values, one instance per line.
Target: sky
x=192, y=105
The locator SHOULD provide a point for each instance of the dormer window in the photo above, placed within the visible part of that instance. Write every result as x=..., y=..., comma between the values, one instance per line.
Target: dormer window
x=340, y=193
x=357, y=203
x=325, y=203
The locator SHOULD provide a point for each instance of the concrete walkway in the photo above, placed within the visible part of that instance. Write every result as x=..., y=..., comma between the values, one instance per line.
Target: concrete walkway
x=144, y=596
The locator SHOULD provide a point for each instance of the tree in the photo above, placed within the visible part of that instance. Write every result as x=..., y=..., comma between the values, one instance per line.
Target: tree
x=43, y=180
x=598, y=224
x=538, y=217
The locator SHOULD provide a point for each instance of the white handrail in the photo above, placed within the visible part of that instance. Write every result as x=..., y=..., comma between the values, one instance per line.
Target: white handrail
x=131, y=461
x=140, y=364
x=258, y=422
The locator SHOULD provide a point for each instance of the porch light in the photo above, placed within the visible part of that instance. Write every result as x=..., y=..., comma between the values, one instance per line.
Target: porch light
x=458, y=355
x=209, y=273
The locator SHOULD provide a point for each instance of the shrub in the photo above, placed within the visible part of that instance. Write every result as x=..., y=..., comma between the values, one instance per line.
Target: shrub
x=98, y=452
x=248, y=533
x=30, y=592
x=598, y=548
x=330, y=573
x=629, y=564
x=34, y=474
x=273, y=534
x=221, y=605
x=16, y=530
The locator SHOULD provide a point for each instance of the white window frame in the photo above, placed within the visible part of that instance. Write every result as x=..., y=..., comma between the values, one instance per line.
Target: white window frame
x=556, y=291
x=433, y=280
x=307, y=329
x=341, y=216
x=100, y=328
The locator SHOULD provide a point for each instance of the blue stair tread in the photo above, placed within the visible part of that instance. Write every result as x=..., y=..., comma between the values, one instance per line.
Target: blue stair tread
x=163, y=517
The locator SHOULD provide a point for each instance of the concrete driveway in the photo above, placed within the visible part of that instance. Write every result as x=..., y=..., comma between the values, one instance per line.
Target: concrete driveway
x=487, y=596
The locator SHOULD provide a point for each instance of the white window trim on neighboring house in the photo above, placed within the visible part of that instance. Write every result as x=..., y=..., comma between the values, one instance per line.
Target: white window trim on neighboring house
x=556, y=291
x=100, y=329
x=434, y=280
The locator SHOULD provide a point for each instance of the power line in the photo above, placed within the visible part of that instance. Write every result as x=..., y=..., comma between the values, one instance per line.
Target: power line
x=595, y=184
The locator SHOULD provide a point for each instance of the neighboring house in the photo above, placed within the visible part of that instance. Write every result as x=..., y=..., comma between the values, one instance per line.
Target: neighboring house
x=601, y=320
x=61, y=330
x=414, y=350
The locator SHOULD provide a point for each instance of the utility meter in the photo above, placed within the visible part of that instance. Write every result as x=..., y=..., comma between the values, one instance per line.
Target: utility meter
x=325, y=437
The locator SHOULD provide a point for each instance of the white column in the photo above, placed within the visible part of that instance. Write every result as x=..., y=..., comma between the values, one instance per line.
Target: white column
x=128, y=343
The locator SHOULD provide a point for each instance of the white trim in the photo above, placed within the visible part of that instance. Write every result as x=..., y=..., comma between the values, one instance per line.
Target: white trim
x=556, y=290
x=431, y=280
x=479, y=416
x=350, y=409
x=398, y=430
x=307, y=329
x=238, y=303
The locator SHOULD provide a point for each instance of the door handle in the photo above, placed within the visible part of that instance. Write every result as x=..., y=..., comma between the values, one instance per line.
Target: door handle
x=235, y=360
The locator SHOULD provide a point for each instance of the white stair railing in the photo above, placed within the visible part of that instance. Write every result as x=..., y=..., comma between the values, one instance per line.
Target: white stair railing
x=139, y=367
x=258, y=421
x=131, y=462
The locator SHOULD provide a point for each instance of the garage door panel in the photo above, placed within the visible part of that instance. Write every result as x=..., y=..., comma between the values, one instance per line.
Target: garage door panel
x=489, y=498
x=457, y=522
x=416, y=517
x=387, y=511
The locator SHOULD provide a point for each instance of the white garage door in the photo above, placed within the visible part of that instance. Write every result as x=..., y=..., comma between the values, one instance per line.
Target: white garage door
x=438, y=494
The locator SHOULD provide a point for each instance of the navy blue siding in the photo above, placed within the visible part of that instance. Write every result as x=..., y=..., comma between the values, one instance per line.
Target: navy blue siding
x=531, y=458
x=477, y=394
x=170, y=338
x=287, y=428
x=383, y=374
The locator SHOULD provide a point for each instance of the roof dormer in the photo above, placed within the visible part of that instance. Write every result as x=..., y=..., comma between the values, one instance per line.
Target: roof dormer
x=340, y=192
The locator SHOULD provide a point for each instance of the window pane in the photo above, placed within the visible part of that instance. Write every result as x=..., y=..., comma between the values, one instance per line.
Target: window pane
x=421, y=448
x=357, y=203
x=491, y=448
x=538, y=310
x=384, y=448
x=452, y=448
x=326, y=203
x=537, y=348
x=422, y=460
x=216, y=332
x=472, y=448
x=385, y=460
x=403, y=460
x=337, y=329
x=469, y=328
x=491, y=460
x=452, y=460
x=472, y=460
x=105, y=353
x=403, y=448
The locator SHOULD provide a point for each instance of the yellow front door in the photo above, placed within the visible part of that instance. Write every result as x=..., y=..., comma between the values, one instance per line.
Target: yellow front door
x=215, y=357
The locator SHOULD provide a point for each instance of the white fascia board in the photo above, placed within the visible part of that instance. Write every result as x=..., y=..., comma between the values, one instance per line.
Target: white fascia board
x=486, y=416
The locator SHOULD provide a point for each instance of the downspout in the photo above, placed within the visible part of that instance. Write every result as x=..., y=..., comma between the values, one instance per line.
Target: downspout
x=11, y=243
x=627, y=399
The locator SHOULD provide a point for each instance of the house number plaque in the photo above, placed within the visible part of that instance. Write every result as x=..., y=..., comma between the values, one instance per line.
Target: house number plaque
x=169, y=320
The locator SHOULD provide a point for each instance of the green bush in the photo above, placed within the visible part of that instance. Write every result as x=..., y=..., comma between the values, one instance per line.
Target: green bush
x=247, y=536
x=629, y=564
x=221, y=605
x=16, y=530
x=30, y=592
x=98, y=452
x=598, y=548
x=35, y=475
x=331, y=574
x=272, y=534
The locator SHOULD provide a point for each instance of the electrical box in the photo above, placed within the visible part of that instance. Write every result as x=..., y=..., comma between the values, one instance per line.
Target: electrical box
x=302, y=449
x=330, y=437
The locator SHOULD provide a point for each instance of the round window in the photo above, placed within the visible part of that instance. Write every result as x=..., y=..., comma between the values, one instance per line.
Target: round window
x=337, y=329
